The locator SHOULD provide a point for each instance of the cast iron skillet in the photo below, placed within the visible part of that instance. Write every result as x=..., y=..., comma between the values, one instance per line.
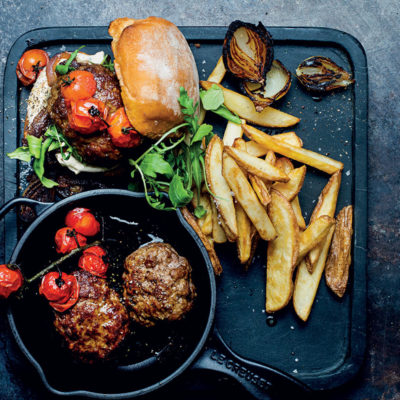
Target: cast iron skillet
x=150, y=358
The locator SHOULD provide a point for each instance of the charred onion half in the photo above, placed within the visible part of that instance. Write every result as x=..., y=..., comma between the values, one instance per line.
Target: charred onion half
x=248, y=51
x=321, y=74
x=278, y=81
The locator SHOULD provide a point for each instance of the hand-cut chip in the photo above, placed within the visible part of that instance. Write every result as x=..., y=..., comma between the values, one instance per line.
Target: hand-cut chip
x=326, y=205
x=314, y=234
x=191, y=220
x=245, y=195
x=205, y=222
x=284, y=164
x=218, y=232
x=261, y=189
x=244, y=234
x=308, y=157
x=232, y=132
x=282, y=253
x=306, y=284
x=218, y=73
x=256, y=166
x=244, y=107
x=257, y=150
x=220, y=188
x=339, y=259
x=292, y=188
x=297, y=212
x=239, y=143
x=254, y=242
x=270, y=157
x=202, y=115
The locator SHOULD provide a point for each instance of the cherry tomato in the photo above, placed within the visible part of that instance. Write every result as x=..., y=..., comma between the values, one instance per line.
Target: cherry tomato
x=87, y=116
x=61, y=289
x=78, y=85
x=10, y=280
x=30, y=64
x=66, y=240
x=93, y=262
x=83, y=221
x=56, y=287
x=121, y=131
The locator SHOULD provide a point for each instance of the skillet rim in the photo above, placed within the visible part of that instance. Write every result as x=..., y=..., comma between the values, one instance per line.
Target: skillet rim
x=148, y=389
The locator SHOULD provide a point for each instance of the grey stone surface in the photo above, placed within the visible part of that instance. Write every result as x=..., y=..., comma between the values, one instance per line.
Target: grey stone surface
x=375, y=23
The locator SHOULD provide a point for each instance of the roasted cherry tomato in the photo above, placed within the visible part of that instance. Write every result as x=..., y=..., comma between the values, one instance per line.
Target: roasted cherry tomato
x=92, y=261
x=78, y=85
x=30, y=64
x=121, y=131
x=87, y=116
x=66, y=240
x=61, y=289
x=10, y=280
x=83, y=221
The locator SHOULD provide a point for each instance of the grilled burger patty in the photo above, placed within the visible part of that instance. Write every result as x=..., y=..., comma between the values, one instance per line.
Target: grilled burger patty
x=157, y=284
x=97, y=323
x=96, y=148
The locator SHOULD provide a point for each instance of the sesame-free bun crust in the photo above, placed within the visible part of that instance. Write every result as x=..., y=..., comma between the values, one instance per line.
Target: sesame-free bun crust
x=152, y=61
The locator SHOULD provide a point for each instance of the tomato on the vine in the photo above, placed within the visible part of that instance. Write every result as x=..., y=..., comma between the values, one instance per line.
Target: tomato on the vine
x=87, y=116
x=92, y=260
x=61, y=289
x=30, y=64
x=83, y=221
x=121, y=131
x=78, y=85
x=67, y=239
x=10, y=280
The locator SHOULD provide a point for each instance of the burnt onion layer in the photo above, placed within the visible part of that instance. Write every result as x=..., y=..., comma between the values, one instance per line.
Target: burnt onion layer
x=248, y=51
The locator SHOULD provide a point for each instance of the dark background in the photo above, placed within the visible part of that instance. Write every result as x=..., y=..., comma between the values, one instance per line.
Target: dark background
x=375, y=23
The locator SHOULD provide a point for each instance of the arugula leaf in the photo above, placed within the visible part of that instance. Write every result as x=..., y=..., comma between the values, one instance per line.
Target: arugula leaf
x=63, y=69
x=34, y=145
x=203, y=131
x=225, y=113
x=200, y=211
x=153, y=164
x=107, y=63
x=177, y=193
x=186, y=102
x=21, y=153
x=212, y=98
x=38, y=165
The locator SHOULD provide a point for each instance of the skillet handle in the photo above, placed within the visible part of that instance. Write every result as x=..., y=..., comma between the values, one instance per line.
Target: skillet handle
x=261, y=381
x=39, y=206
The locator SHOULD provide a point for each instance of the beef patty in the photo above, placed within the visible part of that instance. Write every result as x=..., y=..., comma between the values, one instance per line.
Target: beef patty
x=157, y=284
x=97, y=323
x=96, y=148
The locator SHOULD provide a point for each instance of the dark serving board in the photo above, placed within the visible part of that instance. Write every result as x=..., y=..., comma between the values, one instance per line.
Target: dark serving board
x=328, y=349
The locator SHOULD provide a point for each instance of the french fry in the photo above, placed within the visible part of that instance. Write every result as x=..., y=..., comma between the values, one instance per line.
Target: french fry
x=292, y=188
x=326, y=205
x=218, y=232
x=232, y=131
x=339, y=258
x=286, y=165
x=314, y=234
x=243, y=241
x=306, y=284
x=282, y=253
x=205, y=222
x=257, y=150
x=297, y=212
x=239, y=143
x=244, y=107
x=220, y=188
x=302, y=155
x=261, y=189
x=245, y=195
x=255, y=237
x=256, y=166
x=218, y=73
x=191, y=220
x=202, y=115
x=270, y=157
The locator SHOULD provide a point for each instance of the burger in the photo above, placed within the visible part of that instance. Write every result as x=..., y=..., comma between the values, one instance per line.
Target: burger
x=103, y=110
